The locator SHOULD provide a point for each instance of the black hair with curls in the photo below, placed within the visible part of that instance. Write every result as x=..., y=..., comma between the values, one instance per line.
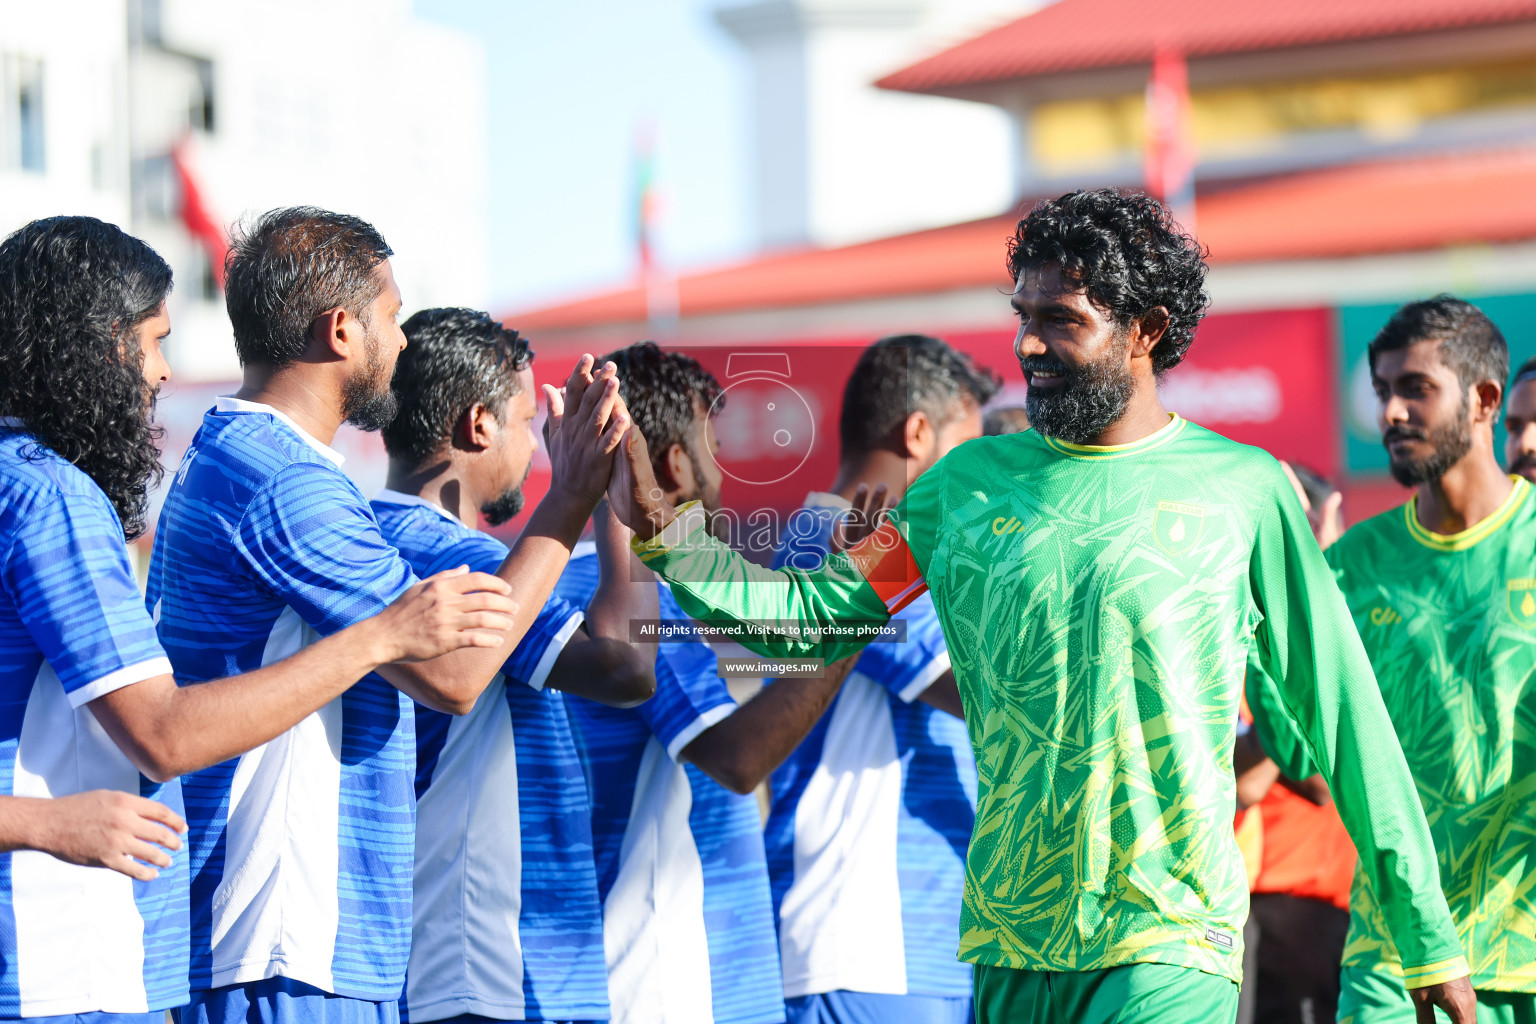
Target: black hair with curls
x=289, y=266
x=453, y=358
x=1126, y=252
x=664, y=392
x=903, y=374
x=72, y=291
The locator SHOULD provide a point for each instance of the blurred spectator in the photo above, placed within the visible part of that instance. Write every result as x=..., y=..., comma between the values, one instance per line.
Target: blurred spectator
x=1007, y=419
x=1520, y=422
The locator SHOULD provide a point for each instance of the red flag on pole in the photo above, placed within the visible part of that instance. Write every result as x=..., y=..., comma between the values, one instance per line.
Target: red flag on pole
x=1170, y=153
x=195, y=216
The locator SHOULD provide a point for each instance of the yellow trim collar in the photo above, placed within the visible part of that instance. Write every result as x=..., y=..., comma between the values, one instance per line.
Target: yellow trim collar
x=1159, y=437
x=1472, y=534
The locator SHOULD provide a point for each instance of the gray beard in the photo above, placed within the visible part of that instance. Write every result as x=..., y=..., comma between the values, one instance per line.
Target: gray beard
x=1091, y=400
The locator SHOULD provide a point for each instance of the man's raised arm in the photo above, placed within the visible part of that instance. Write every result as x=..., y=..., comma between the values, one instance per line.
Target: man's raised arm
x=781, y=613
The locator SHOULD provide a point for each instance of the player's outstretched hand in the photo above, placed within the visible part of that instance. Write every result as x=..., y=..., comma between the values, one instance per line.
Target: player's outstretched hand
x=869, y=510
x=634, y=495
x=1456, y=998
x=107, y=828
x=587, y=420
x=456, y=608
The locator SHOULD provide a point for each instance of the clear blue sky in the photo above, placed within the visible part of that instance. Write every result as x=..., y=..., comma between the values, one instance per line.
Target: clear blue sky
x=570, y=82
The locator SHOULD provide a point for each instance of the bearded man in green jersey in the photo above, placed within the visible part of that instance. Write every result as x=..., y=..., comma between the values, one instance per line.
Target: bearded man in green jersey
x=1100, y=580
x=1443, y=591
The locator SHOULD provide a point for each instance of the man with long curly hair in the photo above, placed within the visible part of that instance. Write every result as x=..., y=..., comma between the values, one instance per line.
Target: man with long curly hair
x=302, y=850
x=88, y=698
x=1100, y=580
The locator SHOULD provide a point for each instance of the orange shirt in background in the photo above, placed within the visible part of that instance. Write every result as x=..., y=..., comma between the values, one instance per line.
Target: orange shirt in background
x=1306, y=851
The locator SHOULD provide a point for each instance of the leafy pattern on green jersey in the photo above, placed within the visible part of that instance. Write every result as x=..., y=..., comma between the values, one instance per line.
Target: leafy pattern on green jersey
x=1452, y=637
x=1103, y=648
x=1099, y=606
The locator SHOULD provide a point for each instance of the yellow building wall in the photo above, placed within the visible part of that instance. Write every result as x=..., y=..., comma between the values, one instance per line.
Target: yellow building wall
x=1233, y=121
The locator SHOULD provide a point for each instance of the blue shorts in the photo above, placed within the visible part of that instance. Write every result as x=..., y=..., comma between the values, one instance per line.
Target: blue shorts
x=876, y=1008
x=283, y=1001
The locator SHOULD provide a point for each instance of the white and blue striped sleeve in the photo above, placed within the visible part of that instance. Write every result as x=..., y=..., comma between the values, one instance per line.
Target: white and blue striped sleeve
x=312, y=540
x=68, y=573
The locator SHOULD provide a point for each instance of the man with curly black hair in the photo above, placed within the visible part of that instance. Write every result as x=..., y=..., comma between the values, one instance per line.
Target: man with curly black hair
x=89, y=696
x=1101, y=580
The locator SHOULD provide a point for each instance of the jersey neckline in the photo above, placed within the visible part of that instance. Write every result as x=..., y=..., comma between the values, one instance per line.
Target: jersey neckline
x=389, y=496
x=1480, y=531
x=1159, y=437
x=229, y=403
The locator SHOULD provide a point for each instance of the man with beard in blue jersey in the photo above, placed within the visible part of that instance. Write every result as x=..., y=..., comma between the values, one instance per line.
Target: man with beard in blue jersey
x=872, y=814
x=302, y=850
x=687, y=913
x=507, y=923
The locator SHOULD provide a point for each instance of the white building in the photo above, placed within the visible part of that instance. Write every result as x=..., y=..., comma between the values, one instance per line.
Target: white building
x=386, y=120
x=837, y=160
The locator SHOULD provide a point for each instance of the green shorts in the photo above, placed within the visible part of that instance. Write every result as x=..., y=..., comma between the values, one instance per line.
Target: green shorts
x=1132, y=994
x=1371, y=997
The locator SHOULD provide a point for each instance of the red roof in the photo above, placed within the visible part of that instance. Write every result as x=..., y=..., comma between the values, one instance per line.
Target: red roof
x=1075, y=35
x=1339, y=211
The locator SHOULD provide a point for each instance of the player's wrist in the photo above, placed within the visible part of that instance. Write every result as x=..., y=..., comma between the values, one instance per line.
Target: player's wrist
x=34, y=823
x=374, y=642
x=563, y=513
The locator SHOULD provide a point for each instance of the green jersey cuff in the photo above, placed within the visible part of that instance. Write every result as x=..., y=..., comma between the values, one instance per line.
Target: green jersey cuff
x=1436, y=974
x=690, y=517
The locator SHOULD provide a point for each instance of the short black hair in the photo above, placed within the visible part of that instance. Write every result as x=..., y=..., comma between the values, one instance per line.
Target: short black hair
x=1527, y=367
x=453, y=358
x=903, y=374
x=664, y=392
x=290, y=265
x=1314, y=485
x=1125, y=251
x=1470, y=343
x=72, y=291
x=1005, y=419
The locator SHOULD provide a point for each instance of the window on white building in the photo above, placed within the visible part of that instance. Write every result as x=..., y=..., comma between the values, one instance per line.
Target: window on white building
x=22, y=136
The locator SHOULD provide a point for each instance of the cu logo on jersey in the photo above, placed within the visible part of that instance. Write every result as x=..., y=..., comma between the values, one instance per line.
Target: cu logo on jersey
x=1522, y=602
x=1176, y=526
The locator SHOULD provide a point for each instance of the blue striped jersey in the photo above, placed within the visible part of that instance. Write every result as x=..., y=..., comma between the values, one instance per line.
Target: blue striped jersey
x=73, y=627
x=507, y=919
x=301, y=849
x=687, y=918
x=871, y=815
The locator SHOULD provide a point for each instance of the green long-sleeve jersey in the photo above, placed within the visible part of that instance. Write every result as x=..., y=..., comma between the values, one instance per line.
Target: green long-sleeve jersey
x=1449, y=623
x=1099, y=605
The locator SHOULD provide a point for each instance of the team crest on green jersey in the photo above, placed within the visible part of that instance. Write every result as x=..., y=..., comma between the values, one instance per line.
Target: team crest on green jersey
x=1522, y=602
x=1176, y=526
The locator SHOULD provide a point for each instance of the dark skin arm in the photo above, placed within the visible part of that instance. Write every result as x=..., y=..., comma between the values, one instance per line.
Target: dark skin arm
x=1255, y=772
x=944, y=695
x=1313, y=789
x=744, y=749
x=601, y=663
